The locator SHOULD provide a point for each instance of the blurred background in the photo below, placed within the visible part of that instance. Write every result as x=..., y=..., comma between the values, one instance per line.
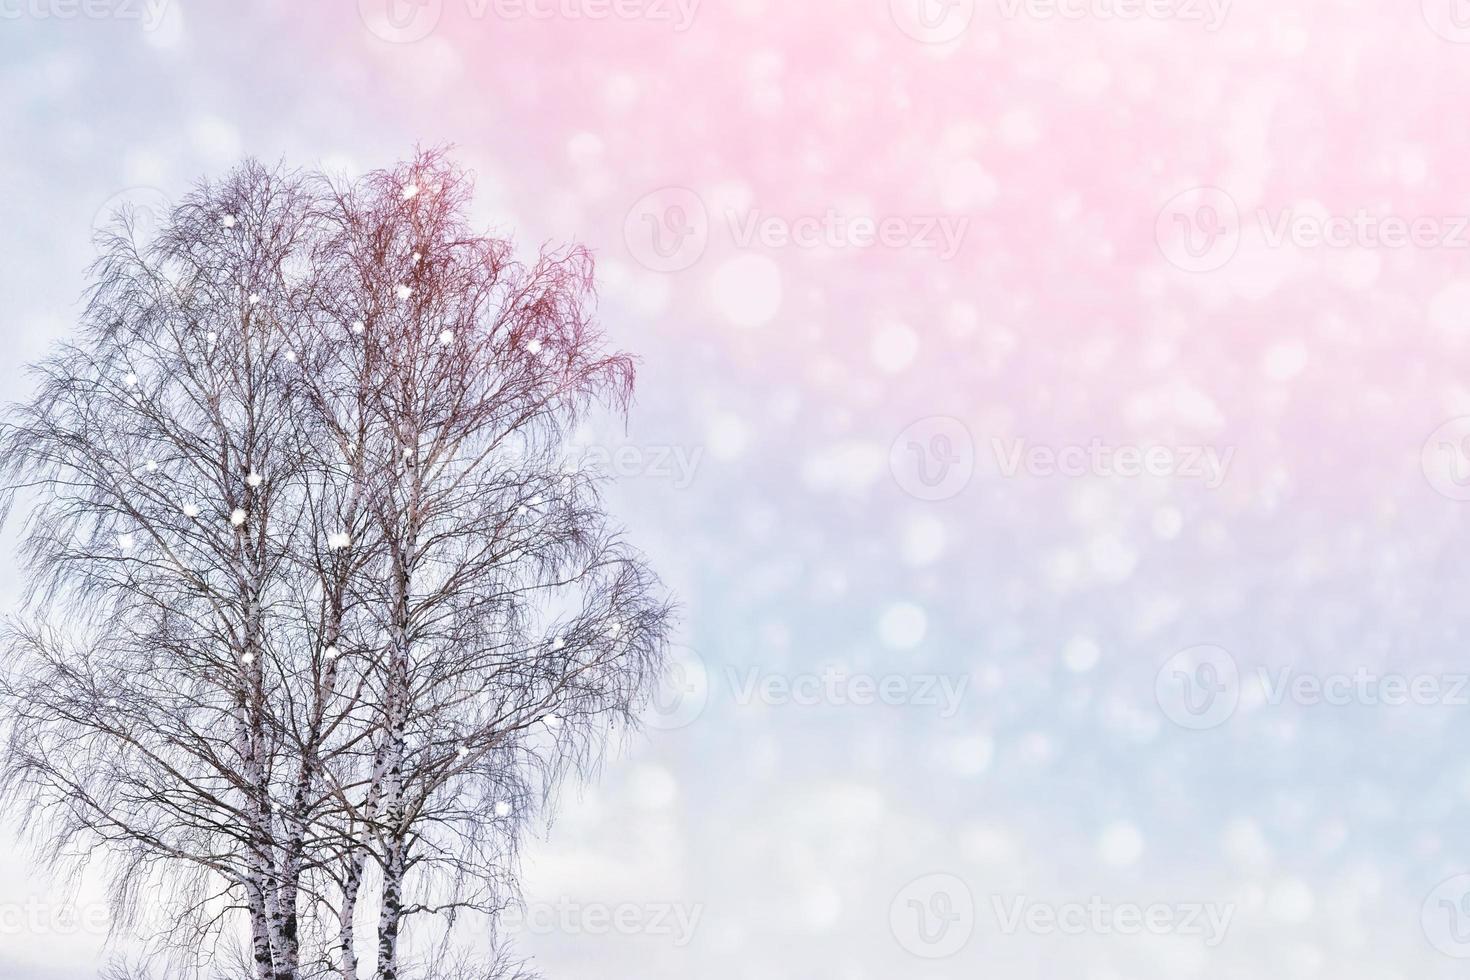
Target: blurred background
x=1051, y=418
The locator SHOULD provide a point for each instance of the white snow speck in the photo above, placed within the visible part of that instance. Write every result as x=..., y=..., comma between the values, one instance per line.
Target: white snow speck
x=237, y=517
x=404, y=291
x=893, y=347
x=1120, y=844
x=1081, y=654
x=902, y=626
x=747, y=290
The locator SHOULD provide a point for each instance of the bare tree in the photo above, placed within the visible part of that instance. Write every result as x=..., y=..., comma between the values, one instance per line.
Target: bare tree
x=314, y=603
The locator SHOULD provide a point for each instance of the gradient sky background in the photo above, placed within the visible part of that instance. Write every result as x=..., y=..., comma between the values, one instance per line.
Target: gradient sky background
x=816, y=391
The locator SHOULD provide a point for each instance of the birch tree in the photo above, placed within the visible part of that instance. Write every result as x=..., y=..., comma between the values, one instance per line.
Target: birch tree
x=314, y=605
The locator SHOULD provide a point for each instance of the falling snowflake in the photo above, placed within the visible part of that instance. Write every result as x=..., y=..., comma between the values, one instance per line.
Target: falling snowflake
x=291, y=356
x=254, y=298
x=502, y=809
x=558, y=643
x=151, y=466
x=228, y=221
x=130, y=379
x=254, y=479
x=404, y=291
x=534, y=347
x=191, y=510
x=447, y=337
x=332, y=653
x=462, y=751
x=237, y=517
x=410, y=191
x=339, y=540
x=248, y=658
x=358, y=326
x=126, y=541
x=552, y=721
